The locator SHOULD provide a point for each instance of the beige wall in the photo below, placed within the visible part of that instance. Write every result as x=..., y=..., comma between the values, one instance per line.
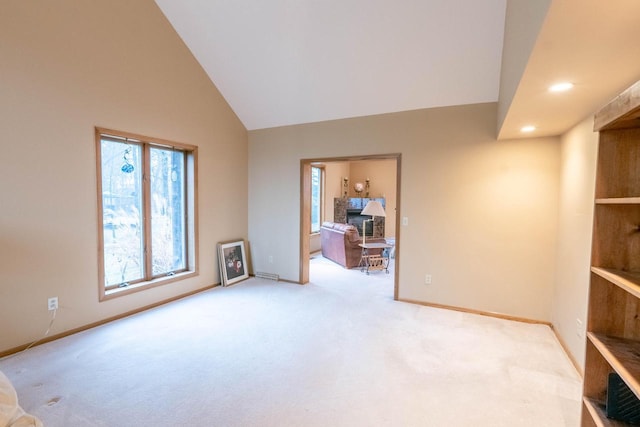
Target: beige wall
x=482, y=213
x=66, y=67
x=577, y=188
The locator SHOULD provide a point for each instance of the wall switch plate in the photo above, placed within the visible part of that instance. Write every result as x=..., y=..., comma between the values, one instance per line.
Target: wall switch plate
x=270, y=259
x=52, y=303
x=405, y=220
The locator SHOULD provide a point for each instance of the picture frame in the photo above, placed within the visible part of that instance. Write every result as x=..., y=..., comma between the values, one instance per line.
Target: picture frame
x=232, y=261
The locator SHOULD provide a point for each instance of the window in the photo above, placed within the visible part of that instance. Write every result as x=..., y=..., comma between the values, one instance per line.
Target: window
x=146, y=199
x=317, y=198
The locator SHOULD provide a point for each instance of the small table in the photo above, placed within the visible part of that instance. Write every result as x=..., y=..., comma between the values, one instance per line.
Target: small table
x=374, y=262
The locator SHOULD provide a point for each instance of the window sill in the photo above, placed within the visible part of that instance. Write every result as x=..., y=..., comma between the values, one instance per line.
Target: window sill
x=141, y=286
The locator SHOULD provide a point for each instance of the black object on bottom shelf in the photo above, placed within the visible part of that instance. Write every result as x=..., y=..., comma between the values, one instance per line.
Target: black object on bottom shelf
x=622, y=404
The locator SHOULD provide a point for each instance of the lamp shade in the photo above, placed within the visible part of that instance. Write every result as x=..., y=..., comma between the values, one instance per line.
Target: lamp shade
x=373, y=208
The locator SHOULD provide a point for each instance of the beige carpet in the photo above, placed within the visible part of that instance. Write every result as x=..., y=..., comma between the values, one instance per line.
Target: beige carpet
x=337, y=352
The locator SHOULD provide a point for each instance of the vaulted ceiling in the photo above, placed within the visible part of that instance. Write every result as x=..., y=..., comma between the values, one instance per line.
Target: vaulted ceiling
x=285, y=62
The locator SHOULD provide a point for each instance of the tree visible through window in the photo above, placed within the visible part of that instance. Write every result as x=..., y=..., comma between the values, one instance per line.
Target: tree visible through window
x=122, y=205
x=317, y=198
x=146, y=210
x=168, y=238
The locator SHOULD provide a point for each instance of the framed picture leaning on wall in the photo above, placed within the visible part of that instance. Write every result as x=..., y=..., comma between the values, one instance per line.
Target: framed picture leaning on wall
x=232, y=260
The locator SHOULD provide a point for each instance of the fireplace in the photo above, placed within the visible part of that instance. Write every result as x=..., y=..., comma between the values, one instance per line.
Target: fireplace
x=347, y=211
x=355, y=218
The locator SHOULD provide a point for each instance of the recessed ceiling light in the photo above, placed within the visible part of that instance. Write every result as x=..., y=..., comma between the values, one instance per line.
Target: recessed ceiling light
x=527, y=129
x=561, y=87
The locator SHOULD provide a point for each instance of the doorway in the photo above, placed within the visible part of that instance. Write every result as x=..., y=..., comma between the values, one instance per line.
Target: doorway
x=305, y=209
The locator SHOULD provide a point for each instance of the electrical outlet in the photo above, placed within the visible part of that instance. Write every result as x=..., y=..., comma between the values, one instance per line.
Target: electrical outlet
x=270, y=259
x=427, y=279
x=52, y=303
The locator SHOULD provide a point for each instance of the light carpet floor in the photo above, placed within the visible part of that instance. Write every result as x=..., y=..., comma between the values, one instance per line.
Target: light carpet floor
x=336, y=352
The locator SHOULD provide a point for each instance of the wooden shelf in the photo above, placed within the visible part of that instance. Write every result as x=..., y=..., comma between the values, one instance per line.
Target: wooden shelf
x=627, y=280
x=613, y=324
x=623, y=355
x=618, y=201
x=596, y=409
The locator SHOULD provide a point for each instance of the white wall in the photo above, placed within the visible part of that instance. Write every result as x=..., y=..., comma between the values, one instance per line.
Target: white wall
x=482, y=213
x=577, y=188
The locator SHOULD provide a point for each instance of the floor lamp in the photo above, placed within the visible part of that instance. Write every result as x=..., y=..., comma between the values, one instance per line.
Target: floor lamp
x=373, y=208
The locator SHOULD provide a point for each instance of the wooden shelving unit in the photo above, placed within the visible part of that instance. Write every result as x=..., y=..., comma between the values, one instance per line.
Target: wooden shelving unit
x=613, y=337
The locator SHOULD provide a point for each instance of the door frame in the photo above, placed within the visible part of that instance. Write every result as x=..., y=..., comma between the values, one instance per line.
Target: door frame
x=305, y=210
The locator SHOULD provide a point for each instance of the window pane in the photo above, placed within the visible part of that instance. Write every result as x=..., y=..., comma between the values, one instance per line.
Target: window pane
x=168, y=236
x=316, y=198
x=122, y=212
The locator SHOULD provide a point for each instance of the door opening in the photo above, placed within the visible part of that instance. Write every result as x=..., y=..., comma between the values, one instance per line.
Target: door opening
x=306, y=206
